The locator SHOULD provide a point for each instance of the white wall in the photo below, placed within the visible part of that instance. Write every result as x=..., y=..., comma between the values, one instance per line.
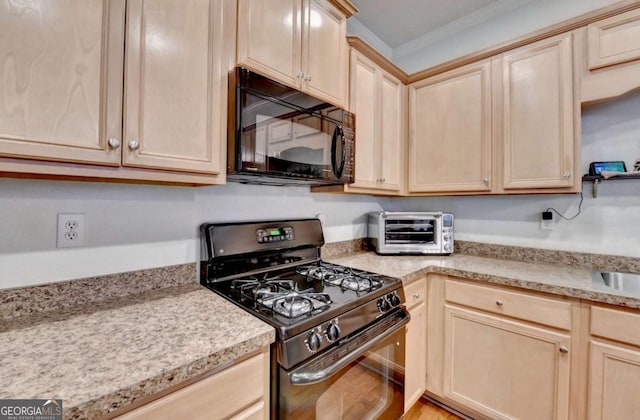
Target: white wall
x=418, y=55
x=132, y=227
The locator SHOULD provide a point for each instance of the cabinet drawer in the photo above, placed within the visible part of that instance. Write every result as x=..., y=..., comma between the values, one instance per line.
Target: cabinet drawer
x=615, y=40
x=415, y=293
x=224, y=394
x=527, y=307
x=616, y=325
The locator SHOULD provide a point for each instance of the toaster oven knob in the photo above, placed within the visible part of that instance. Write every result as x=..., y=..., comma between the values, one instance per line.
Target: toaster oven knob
x=447, y=247
x=394, y=299
x=314, y=341
x=333, y=333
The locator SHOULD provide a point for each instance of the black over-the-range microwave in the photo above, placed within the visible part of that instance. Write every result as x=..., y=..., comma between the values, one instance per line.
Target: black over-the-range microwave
x=281, y=136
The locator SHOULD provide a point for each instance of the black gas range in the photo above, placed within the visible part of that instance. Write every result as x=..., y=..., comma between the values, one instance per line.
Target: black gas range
x=326, y=316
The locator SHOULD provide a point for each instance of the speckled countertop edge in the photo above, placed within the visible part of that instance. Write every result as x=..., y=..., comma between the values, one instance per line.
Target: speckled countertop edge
x=70, y=294
x=562, y=280
x=129, y=349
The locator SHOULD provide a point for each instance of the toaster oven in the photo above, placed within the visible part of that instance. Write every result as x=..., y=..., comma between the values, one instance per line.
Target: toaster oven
x=428, y=233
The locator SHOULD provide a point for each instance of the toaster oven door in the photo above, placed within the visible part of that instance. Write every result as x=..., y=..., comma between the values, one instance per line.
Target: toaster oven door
x=420, y=232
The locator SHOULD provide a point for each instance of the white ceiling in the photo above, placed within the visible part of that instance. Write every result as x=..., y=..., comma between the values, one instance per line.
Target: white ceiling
x=399, y=22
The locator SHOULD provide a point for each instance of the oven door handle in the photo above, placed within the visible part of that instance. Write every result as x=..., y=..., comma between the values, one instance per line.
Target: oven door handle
x=307, y=375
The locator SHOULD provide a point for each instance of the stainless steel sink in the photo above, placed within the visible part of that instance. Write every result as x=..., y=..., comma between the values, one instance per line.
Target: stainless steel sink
x=626, y=282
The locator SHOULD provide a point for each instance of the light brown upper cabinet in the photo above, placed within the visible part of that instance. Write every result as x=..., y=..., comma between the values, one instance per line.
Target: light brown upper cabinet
x=502, y=125
x=450, y=131
x=64, y=97
x=610, y=50
x=614, y=40
x=538, y=115
x=301, y=43
x=175, y=78
x=377, y=99
x=61, y=90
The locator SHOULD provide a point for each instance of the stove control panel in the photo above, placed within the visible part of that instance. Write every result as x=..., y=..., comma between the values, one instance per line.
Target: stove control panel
x=388, y=302
x=274, y=234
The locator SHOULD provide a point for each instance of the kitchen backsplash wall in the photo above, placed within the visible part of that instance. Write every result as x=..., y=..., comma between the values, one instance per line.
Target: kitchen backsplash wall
x=133, y=227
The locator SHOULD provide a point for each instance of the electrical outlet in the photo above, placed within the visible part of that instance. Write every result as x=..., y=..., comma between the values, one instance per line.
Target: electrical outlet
x=71, y=230
x=547, y=221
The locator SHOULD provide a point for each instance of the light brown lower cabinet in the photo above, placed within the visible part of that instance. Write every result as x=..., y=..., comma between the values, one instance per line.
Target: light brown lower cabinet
x=416, y=343
x=494, y=352
x=503, y=368
x=614, y=364
x=239, y=392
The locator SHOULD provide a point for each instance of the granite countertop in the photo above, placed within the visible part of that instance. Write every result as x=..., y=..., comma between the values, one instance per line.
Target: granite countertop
x=563, y=280
x=100, y=357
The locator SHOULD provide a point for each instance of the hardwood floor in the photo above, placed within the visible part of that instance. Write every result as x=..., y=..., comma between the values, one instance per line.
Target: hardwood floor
x=424, y=410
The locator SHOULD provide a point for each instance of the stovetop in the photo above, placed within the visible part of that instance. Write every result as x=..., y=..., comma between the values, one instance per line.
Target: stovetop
x=299, y=298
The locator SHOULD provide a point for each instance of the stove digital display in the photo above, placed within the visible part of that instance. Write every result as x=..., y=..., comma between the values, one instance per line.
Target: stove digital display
x=274, y=234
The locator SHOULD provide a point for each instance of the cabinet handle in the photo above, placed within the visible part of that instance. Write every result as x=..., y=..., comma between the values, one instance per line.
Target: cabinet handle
x=567, y=175
x=485, y=180
x=416, y=295
x=563, y=350
x=308, y=78
x=134, y=145
x=113, y=143
x=383, y=180
x=300, y=75
x=499, y=302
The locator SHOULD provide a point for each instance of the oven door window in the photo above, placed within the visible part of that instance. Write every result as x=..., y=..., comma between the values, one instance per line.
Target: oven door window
x=369, y=387
x=410, y=231
x=285, y=140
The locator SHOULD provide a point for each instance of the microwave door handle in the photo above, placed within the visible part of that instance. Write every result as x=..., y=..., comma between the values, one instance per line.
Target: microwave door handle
x=338, y=169
x=304, y=376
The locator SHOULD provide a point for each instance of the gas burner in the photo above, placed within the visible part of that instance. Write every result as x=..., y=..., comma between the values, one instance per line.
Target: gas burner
x=294, y=303
x=253, y=288
x=344, y=277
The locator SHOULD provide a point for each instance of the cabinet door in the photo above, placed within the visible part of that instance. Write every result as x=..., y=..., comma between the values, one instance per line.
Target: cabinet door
x=415, y=356
x=614, y=382
x=61, y=84
x=175, y=87
x=241, y=389
x=324, y=52
x=269, y=38
x=364, y=97
x=538, y=115
x=392, y=98
x=450, y=131
x=505, y=369
x=614, y=40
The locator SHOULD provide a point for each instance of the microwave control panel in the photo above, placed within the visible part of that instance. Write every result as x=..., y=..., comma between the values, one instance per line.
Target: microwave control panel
x=275, y=234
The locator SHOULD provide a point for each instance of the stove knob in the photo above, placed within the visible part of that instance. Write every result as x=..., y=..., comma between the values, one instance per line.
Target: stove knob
x=394, y=299
x=314, y=341
x=333, y=332
x=383, y=305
